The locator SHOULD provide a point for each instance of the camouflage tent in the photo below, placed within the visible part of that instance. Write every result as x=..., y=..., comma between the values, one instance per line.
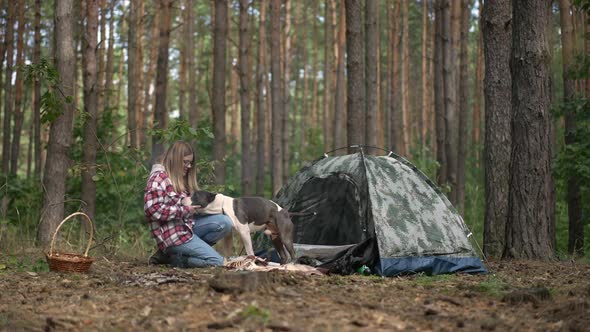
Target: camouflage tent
x=384, y=204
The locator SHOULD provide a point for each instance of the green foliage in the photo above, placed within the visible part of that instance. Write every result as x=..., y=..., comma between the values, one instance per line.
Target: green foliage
x=492, y=286
x=53, y=98
x=252, y=311
x=180, y=129
x=22, y=264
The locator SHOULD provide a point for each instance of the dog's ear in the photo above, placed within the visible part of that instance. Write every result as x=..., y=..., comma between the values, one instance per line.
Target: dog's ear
x=211, y=197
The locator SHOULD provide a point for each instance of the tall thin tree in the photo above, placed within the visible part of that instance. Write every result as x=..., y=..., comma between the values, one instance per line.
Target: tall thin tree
x=37, y=89
x=8, y=101
x=478, y=87
x=277, y=96
x=423, y=123
x=60, y=135
x=339, y=103
x=18, y=90
x=497, y=34
x=89, y=60
x=406, y=112
x=439, y=94
x=355, y=122
x=261, y=77
x=218, y=94
x=193, y=110
x=244, y=71
x=161, y=110
x=286, y=82
x=574, y=208
x=450, y=93
x=329, y=73
x=371, y=86
x=463, y=105
x=132, y=68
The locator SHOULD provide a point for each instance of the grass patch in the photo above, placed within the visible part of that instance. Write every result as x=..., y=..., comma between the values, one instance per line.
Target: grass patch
x=253, y=312
x=22, y=264
x=492, y=286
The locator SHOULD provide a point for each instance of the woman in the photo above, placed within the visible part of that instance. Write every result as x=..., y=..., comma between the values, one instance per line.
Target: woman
x=184, y=238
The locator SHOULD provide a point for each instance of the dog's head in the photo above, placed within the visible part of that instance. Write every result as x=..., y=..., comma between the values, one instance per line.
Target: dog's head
x=202, y=198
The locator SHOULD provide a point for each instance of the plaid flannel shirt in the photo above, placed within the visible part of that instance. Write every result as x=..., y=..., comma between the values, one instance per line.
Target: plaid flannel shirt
x=169, y=220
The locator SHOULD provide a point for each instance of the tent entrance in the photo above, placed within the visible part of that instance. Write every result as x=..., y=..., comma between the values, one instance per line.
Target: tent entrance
x=335, y=198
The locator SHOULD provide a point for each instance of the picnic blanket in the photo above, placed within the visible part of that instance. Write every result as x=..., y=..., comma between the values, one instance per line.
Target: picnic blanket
x=252, y=263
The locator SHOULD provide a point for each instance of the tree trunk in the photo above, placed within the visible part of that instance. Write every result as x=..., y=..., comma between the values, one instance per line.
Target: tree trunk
x=439, y=94
x=314, y=68
x=463, y=106
x=218, y=96
x=371, y=87
x=245, y=99
x=18, y=90
x=530, y=204
x=574, y=209
x=305, y=116
x=497, y=34
x=182, y=74
x=328, y=74
x=286, y=80
x=37, y=90
x=405, y=86
x=91, y=109
x=60, y=136
x=277, y=98
x=423, y=124
x=148, y=96
x=109, y=106
x=101, y=69
x=450, y=92
x=232, y=99
x=477, y=94
x=355, y=123
x=339, y=104
x=261, y=76
x=160, y=110
x=118, y=101
x=2, y=56
x=139, y=109
x=193, y=109
x=132, y=68
x=395, y=120
x=9, y=42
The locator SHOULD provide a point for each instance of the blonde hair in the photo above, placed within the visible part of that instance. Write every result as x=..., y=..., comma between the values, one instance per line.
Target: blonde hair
x=174, y=165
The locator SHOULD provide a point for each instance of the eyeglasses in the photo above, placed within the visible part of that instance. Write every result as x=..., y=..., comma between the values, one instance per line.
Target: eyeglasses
x=188, y=163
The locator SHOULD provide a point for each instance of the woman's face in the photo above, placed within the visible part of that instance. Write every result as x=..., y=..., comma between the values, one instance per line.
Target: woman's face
x=187, y=162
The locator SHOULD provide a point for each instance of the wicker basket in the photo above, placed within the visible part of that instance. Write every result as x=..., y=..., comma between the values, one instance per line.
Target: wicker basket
x=67, y=262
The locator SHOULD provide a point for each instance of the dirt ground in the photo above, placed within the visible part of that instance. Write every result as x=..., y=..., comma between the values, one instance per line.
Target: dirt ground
x=132, y=296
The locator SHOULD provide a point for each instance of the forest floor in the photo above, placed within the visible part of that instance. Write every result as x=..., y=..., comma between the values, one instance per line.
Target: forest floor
x=117, y=295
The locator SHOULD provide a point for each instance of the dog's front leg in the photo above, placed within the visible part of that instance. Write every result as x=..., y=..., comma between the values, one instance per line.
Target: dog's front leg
x=244, y=231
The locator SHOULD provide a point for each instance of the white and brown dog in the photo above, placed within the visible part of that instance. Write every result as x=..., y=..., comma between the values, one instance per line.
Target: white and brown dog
x=251, y=214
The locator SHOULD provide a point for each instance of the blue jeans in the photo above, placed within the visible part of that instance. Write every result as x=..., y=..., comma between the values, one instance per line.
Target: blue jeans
x=197, y=252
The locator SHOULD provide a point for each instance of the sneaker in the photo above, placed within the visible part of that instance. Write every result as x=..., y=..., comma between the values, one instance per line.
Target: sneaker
x=158, y=257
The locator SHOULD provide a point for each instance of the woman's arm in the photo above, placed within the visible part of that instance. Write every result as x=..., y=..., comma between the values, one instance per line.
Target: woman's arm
x=161, y=202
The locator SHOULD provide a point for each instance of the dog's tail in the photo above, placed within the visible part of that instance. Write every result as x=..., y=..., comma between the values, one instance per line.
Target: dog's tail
x=301, y=214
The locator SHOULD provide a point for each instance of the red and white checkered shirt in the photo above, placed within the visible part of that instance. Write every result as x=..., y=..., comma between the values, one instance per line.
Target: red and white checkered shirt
x=169, y=220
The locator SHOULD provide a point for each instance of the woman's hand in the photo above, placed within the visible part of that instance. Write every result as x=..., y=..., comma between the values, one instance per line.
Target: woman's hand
x=187, y=201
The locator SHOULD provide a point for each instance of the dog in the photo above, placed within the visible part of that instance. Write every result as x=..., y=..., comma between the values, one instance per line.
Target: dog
x=251, y=214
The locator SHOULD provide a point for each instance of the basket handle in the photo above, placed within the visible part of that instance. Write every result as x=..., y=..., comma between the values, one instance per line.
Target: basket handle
x=66, y=219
